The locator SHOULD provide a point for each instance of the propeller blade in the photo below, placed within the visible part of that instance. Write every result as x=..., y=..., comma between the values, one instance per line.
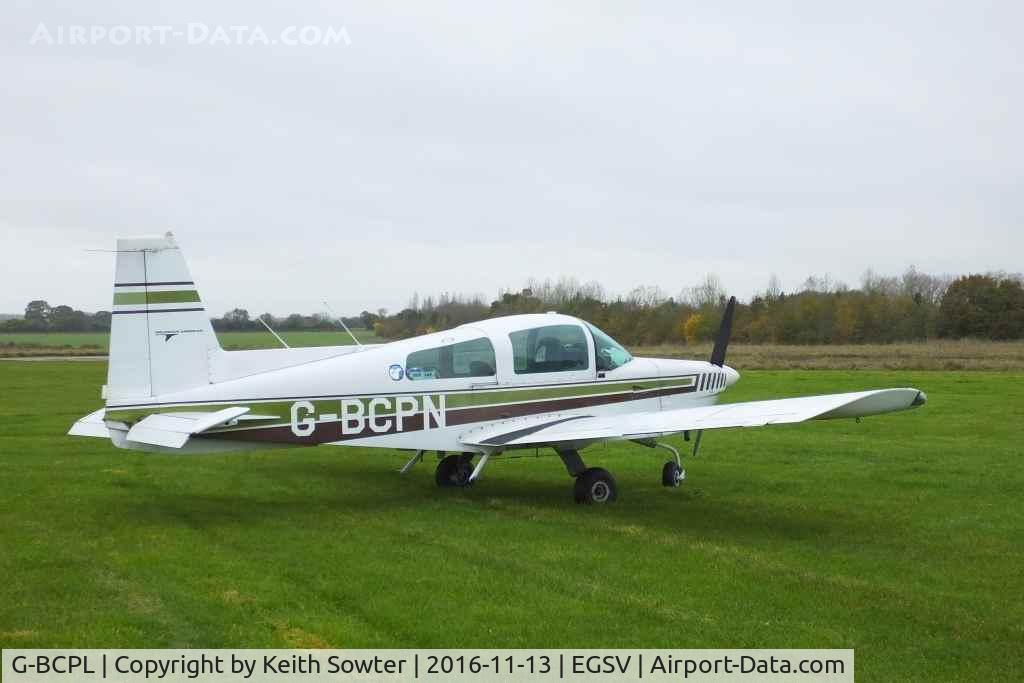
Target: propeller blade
x=724, y=332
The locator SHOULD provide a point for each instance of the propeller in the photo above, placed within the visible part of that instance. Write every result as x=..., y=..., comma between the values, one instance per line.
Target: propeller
x=724, y=332
x=717, y=357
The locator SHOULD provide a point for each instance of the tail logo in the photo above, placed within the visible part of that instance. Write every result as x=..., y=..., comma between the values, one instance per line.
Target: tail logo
x=170, y=334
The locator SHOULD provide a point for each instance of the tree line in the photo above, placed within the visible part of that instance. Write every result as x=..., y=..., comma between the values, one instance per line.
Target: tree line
x=40, y=316
x=914, y=306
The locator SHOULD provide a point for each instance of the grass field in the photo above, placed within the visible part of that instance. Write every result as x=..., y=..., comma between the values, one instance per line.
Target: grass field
x=902, y=537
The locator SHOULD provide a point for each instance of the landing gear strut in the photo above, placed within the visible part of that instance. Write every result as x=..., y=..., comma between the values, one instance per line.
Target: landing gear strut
x=594, y=485
x=455, y=470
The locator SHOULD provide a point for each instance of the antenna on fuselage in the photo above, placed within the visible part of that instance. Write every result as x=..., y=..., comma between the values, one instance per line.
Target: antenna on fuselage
x=271, y=331
x=342, y=321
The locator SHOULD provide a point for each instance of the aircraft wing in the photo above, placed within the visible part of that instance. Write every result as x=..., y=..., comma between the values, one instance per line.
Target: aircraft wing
x=577, y=429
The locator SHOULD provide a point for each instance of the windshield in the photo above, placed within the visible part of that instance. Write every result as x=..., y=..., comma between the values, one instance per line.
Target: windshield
x=610, y=354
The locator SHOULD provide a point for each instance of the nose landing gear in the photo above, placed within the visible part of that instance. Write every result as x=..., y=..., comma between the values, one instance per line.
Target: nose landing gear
x=672, y=474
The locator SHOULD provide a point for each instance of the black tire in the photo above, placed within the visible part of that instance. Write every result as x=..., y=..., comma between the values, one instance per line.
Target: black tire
x=671, y=474
x=454, y=470
x=595, y=486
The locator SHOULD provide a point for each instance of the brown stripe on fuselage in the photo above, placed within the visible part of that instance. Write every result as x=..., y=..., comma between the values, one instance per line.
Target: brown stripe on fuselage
x=327, y=432
x=458, y=416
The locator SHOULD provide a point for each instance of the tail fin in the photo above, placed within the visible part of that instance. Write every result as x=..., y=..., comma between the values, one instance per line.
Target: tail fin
x=161, y=340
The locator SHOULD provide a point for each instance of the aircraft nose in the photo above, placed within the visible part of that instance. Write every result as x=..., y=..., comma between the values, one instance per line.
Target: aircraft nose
x=731, y=376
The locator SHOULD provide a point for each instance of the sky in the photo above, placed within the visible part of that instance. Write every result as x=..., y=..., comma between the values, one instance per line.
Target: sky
x=464, y=147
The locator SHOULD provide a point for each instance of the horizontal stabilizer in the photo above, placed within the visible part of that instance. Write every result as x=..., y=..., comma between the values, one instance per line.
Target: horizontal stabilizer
x=154, y=436
x=173, y=430
x=582, y=429
x=91, y=425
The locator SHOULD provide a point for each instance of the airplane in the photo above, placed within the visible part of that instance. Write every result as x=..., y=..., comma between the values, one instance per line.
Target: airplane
x=472, y=393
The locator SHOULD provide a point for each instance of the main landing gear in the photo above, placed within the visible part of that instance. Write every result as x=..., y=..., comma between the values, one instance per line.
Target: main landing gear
x=458, y=469
x=594, y=485
x=454, y=470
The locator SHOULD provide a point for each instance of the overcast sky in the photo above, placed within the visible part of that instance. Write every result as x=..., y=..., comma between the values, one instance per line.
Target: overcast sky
x=459, y=147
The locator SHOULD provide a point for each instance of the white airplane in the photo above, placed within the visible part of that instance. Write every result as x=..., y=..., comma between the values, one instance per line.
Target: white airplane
x=474, y=392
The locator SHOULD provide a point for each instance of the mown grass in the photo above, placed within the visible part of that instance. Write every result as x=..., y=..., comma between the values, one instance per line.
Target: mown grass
x=901, y=537
x=97, y=343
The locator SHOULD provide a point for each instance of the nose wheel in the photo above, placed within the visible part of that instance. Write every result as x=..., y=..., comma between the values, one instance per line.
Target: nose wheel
x=672, y=474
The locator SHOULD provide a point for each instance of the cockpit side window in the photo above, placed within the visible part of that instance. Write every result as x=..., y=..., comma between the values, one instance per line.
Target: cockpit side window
x=473, y=358
x=553, y=348
x=609, y=353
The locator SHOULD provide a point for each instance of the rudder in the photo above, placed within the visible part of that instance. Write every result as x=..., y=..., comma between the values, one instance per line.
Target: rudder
x=161, y=340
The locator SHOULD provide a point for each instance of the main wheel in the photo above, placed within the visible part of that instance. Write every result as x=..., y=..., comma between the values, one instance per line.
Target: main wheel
x=672, y=474
x=454, y=470
x=595, y=487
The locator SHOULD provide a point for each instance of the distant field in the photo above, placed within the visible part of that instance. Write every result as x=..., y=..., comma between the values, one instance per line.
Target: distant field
x=96, y=343
x=900, y=537
x=934, y=355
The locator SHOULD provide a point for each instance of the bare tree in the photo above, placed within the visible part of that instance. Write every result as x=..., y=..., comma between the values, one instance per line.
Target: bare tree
x=922, y=286
x=824, y=284
x=646, y=296
x=708, y=293
x=774, y=290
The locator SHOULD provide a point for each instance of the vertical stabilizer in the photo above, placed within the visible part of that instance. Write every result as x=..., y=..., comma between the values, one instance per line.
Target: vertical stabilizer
x=161, y=340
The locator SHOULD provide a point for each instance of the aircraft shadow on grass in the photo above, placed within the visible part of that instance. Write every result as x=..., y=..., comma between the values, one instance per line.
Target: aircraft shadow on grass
x=372, y=491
